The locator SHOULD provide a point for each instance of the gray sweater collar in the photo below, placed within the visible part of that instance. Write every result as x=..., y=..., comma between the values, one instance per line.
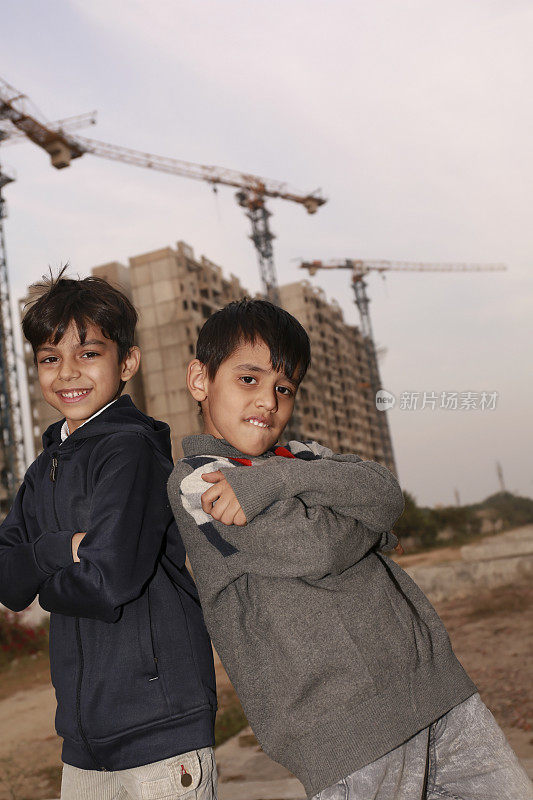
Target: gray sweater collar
x=203, y=444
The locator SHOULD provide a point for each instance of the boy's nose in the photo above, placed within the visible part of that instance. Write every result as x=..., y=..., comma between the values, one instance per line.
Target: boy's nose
x=67, y=371
x=268, y=401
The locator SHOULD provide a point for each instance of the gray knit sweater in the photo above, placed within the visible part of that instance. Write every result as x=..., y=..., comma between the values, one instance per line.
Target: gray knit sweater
x=336, y=654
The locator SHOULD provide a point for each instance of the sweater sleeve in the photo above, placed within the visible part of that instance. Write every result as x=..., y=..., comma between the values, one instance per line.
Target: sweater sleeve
x=290, y=537
x=364, y=490
x=27, y=555
x=128, y=518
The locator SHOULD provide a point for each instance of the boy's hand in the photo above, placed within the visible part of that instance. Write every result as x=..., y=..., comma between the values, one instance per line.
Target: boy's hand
x=75, y=542
x=399, y=549
x=220, y=502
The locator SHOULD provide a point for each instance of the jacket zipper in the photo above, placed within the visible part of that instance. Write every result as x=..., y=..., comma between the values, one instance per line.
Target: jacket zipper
x=156, y=676
x=53, y=478
x=53, y=470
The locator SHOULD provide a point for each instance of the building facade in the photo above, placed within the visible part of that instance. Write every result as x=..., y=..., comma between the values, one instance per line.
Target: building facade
x=335, y=404
x=174, y=294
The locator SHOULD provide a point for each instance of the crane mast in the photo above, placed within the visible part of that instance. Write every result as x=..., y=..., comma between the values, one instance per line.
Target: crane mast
x=262, y=237
x=359, y=269
x=11, y=431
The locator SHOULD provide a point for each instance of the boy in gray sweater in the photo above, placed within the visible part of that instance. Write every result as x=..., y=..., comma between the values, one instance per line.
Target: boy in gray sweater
x=343, y=667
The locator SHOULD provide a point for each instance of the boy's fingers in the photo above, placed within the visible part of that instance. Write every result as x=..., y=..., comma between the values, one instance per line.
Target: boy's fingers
x=209, y=497
x=219, y=501
x=239, y=518
x=228, y=517
x=74, y=543
x=399, y=549
x=218, y=510
x=212, y=493
x=213, y=477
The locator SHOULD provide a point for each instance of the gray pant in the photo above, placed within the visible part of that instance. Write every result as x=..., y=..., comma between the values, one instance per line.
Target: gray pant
x=161, y=779
x=464, y=755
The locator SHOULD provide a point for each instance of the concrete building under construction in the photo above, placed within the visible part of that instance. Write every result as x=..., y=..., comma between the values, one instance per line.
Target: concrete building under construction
x=335, y=404
x=174, y=293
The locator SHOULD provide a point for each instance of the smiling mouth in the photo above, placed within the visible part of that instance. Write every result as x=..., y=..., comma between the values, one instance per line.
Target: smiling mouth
x=73, y=395
x=258, y=423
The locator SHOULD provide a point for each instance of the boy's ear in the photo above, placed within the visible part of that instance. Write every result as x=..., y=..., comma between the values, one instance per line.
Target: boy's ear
x=131, y=364
x=197, y=380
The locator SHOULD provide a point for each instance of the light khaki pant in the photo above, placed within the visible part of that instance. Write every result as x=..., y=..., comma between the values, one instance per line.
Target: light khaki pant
x=161, y=780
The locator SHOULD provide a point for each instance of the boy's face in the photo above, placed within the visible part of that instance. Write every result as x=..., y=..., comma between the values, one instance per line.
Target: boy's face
x=79, y=379
x=247, y=403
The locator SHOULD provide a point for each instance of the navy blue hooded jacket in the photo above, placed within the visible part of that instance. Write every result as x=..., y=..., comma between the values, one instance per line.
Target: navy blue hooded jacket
x=130, y=657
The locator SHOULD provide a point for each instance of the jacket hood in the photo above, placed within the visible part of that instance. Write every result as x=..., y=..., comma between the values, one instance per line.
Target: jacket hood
x=121, y=417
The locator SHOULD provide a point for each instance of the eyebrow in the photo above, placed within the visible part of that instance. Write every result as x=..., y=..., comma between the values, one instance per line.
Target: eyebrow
x=90, y=342
x=255, y=368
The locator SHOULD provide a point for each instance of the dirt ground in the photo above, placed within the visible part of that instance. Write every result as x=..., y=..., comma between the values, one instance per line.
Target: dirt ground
x=492, y=634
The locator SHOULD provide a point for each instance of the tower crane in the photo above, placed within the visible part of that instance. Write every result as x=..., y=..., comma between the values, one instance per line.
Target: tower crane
x=252, y=189
x=359, y=269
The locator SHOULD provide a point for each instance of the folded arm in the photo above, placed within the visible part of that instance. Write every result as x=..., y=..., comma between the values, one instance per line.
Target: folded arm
x=118, y=554
x=27, y=555
x=292, y=539
x=364, y=490
x=297, y=536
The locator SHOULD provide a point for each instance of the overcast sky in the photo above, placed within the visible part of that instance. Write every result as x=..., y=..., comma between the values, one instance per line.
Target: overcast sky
x=415, y=119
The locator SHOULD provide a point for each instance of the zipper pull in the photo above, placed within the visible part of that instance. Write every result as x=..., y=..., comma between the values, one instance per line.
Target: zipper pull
x=53, y=468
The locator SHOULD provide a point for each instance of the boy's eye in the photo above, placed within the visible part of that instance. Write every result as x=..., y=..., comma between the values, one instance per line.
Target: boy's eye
x=48, y=360
x=248, y=379
x=284, y=390
x=90, y=354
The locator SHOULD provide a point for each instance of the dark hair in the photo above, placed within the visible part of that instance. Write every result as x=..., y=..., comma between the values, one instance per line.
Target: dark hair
x=56, y=302
x=247, y=321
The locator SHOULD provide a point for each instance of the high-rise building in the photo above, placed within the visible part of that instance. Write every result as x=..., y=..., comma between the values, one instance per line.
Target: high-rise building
x=175, y=293
x=335, y=404
x=119, y=276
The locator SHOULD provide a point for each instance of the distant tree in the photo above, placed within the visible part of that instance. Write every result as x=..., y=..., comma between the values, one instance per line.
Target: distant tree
x=461, y=519
x=463, y=522
x=416, y=522
x=511, y=508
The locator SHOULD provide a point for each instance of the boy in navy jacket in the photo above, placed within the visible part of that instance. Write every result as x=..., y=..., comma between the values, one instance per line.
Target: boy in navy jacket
x=92, y=534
